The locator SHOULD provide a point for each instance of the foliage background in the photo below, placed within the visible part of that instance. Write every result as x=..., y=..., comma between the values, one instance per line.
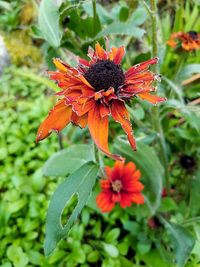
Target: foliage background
x=123, y=237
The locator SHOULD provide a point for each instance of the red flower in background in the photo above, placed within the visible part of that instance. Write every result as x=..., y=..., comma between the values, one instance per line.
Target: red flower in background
x=97, y=89
x=121, y=186
x=189, y=41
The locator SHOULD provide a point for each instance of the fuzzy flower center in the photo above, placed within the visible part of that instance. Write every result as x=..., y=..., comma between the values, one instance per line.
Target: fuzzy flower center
x=105, y=74
x=116, y=186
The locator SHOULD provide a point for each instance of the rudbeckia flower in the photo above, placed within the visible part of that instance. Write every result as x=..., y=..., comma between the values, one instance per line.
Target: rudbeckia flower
x=188, y=41
x=121, y=186
x=96, y=90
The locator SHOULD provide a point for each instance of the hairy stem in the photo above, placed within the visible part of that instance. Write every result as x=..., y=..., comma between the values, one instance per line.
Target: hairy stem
x=155, y=110
x=94, y=16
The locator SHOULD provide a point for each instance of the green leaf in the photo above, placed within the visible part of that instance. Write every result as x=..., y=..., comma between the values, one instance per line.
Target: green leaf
x=139, y=16
x=177, y=89
x=112, y=235
x=178, y=23
x=194, y=209
x=49, y=22
x=104, y=15
x=143, y=247
x=123, y=14
x=188, y=70
x=68, y=160
x=111, y=250
x=147, y=161
x=182, y=242
x=122, y=28
x=167, y=205
x=129, y=27
x=5, y=5
x=80, y=183
x=17, y=256
x=153, y=259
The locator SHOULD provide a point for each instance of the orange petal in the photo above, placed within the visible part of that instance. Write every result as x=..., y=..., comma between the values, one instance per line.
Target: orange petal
x=99, y=131
x=125, y=200
x=129, y=169
x=82, y=109
x=140, y=67
x=117, y=54
x=117, y=171
x=63, y=67
x=108, y=171
x=105, y=184
x=154, y=99
x=172, y=43
x=79, y=121
x=120, y=114
x=60, y=65
x=100, y=52
x=137, y=198
x=82, y=78
x=104, y=202
x=57, y=119
x=104, y=110
x=84, y=62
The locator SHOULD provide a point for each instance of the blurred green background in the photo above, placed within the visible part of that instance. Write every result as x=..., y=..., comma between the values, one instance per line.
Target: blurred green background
x=124, y=237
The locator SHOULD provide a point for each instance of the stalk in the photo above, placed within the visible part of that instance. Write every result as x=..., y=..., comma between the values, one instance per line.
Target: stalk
x=94, y=16
x=155, y=114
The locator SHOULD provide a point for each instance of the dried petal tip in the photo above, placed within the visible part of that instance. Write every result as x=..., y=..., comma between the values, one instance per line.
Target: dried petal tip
x=158, y=77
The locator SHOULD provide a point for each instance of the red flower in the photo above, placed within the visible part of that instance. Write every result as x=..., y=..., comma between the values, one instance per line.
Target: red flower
x=189, y=41
x=122, y=185
x=96, y=90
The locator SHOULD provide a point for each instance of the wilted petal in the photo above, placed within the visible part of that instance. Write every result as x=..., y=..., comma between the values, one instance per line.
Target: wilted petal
x=57, y=119
x=81, y=109
x=104, y=110
x=154, y=99
x=144, y=66
x=120, y=114
x=79, y=121
x=99, y=131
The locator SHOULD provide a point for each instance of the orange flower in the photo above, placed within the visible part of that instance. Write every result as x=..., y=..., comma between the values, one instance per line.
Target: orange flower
x=96, y=90
x=122, y=185
x=189, y=41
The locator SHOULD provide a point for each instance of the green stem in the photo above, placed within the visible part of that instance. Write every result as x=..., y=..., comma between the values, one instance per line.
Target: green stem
x=94, y=16
x=60, y=140
x=180, y=62
x=156, y=123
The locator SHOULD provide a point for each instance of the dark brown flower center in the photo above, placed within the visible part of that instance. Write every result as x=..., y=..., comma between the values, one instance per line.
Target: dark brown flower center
x=193, y=35
x=116, y=186
x=105, y=74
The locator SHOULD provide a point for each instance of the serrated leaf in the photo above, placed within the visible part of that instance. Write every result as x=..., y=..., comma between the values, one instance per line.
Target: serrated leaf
x=48, y=20
x=139, y=16
x=80, y=183
x=182, y=242
x=122, y=28
x=147, y=161
x=68, y=160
